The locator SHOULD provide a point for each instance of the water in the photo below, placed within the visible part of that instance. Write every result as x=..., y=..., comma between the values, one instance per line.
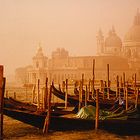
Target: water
x=15, y=130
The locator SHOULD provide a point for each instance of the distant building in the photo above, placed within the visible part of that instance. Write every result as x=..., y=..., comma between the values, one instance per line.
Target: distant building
x=110, y=46
x=123, y=56
x=39, y=68
x=131, y=43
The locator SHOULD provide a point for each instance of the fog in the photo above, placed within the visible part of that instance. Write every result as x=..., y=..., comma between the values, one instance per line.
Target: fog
x=71, y=24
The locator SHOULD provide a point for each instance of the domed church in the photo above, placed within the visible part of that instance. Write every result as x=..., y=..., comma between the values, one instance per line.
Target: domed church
x=121, y=55
x=128, y=48
x=111, y=46
x=131, y=43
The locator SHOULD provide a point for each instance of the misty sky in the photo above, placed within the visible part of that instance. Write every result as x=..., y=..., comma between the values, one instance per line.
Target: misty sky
x=72, y=24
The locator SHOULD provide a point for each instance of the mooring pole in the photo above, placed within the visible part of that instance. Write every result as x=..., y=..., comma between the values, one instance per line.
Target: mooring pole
x=123, y=79
x=38, y=94
x=66, y=94
x=6, y=93
x=124, y=85
x=137, y=97
x=93, y=77
x=101, y=85
x=121, y=82
x=15, y=95
x=135, y=83
x=88, y=96
x=1, y=102
x=126, y=96
x=33, y=93
x=102, y=89
x=82, y=87
x=80, y=95
x=97, y=110
x=119, y=88
x=46, y=94
x=47, y=119
x=63, y=86
x=108, y=82
x=86, y=92
x=117, y=85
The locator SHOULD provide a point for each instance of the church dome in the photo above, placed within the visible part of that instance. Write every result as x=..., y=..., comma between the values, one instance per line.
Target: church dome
x=133, y=35
x=113, y=40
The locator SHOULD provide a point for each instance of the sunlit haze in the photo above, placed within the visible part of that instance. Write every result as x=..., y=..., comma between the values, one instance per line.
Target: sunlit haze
x=71, y=24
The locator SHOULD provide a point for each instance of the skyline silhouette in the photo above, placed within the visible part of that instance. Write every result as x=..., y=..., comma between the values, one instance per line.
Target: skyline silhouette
x=72, y=25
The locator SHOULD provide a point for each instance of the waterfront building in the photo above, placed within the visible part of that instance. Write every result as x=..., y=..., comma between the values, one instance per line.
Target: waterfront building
x=121, y=54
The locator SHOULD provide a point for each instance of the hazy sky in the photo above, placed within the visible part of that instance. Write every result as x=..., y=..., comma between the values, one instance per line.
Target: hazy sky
x=72, y=24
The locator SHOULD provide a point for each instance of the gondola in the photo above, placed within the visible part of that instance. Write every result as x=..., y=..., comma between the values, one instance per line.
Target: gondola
x=112, y=93
x=15, y=104
x=121, y=91
x=74, y=100
x=72, y=123
x=10, y=103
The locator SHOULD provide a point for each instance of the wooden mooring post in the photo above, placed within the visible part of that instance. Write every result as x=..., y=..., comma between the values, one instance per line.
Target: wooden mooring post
x=80, y=95
x=89, y=84
x=119, y=88
x=108, y=82
x=102, y=88
x=63, y=86
x=123, y=79
x=135, y=83
x=33, y=93
x=66, y=94
x=47, y=119
x=7, y=94
x=121, y=82
x=15, y=95
x=97, y=110
x=93, y=78
x=117, y=85
x=82, y=84
x=126, y=98
x=38, y=94
x=46, y=94
x=86, y=92
x=124, y=85
x=1, y=102
x=137, y=96
x=59, y=87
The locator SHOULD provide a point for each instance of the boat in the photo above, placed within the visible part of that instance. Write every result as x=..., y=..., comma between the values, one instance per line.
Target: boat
x=64, y=123
x=11, y=103
x=74, y=100
x=112, y=93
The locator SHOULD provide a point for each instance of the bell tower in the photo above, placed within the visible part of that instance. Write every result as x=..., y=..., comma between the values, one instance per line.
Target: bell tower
x=40, y=67
x=137, y=18
x=39, y=60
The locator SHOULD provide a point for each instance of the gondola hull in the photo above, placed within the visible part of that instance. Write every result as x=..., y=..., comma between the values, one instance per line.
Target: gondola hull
x=74, y=100
x=15, y=104
x=65, y=123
